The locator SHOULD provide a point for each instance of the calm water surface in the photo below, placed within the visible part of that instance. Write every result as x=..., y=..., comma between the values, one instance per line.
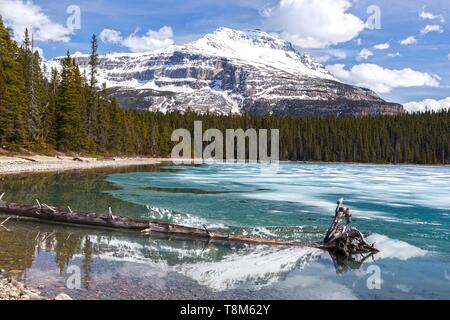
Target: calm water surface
x=405, y=210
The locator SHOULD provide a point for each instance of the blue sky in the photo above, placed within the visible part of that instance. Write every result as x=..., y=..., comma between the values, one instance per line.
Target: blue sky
x=351, y=55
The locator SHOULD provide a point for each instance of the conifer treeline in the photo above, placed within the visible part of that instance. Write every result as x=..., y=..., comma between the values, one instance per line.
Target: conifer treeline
x=66, y=111
x=70, y=112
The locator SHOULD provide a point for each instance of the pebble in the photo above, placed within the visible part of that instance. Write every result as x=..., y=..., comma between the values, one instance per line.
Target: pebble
x=63, y=296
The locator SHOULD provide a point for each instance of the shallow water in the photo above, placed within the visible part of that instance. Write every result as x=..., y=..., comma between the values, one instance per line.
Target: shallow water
x=404, y=209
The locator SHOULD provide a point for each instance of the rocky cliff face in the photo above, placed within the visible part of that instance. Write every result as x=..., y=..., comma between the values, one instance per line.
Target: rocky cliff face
x=231, y=71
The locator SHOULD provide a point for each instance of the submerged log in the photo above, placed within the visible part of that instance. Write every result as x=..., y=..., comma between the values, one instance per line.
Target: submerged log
x=339, y=239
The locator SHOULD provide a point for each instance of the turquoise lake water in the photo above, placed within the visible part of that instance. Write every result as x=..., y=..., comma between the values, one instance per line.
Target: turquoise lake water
x=405, y=210
x=296, y=202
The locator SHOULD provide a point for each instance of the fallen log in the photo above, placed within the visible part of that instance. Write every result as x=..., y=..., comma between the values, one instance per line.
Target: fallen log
x=346, y=242
x=45, y=212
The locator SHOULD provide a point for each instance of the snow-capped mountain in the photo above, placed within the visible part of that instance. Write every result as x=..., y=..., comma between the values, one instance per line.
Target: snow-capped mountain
x=231, y=71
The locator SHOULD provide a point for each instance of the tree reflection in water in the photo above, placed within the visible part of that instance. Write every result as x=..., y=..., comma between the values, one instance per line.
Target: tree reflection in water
x=208, y=263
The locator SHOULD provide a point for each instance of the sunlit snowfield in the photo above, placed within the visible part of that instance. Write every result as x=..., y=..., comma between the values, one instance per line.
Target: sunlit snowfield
x=405, y=210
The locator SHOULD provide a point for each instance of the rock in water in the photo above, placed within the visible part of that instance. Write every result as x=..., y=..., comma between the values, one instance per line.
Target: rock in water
x=63, y=296
x=11, y=289
x=232, y=71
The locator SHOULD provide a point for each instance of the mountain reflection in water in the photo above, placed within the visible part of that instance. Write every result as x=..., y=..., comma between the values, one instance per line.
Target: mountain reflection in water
x=31, y=249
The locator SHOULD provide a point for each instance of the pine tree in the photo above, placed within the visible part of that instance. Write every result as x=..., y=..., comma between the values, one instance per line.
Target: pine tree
x=70, y=129
x=38, y=81
x=103, y=119
x=93, y=62
x=92, y=101
x=48, y=120
x=31, y=74
x=12, y=87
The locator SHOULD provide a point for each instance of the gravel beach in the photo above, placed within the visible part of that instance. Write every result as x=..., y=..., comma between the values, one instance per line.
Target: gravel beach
x=11, y=165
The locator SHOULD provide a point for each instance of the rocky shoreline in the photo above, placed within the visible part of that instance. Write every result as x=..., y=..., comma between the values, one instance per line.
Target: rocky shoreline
x=12, y=289
x=12, y=165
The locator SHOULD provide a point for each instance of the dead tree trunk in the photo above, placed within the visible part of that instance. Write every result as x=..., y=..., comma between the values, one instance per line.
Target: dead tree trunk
x=339, y=239
x=45, y=212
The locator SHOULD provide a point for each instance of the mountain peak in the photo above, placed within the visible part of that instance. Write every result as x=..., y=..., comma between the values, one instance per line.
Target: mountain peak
x=257, y=48
x=232, y=39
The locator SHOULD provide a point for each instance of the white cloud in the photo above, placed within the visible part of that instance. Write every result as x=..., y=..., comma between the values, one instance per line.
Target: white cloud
x=408, y=41
x=364, y=54
x=383, y=80
x=394, y=55
x=339, y=54
x=428, y=104
x=19, y=15
x=152, y=40
x=432, y=28
x=429, y=16
x=449, y=56
x=314, y=23
x=331, y=53
x=110, y=36
x=323, y=59
x=382, y=46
